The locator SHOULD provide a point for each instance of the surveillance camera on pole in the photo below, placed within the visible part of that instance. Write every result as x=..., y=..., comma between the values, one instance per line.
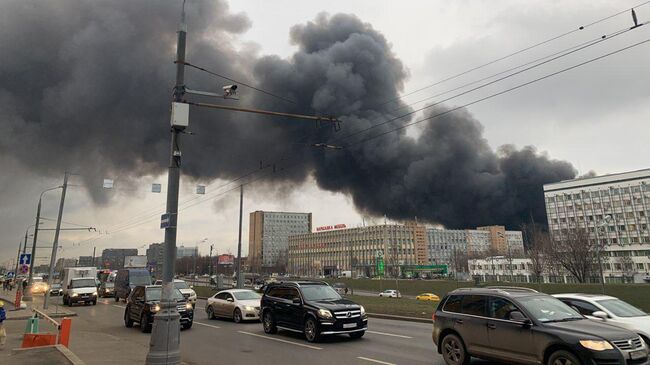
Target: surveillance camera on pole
x=229, y=90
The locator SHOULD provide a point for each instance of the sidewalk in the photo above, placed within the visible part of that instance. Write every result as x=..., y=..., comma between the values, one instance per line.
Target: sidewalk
x=54, y=310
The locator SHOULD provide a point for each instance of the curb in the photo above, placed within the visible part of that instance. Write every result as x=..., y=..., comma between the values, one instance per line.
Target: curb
x=30, y=314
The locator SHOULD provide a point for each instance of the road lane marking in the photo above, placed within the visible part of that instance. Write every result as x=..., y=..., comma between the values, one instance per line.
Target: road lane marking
x=281, y=340
x=119, y=306
x=388, y=334
x=375, y=361
x=205, y=324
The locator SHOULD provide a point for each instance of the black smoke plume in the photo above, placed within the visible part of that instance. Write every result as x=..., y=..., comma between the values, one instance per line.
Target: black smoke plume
x=85, y=86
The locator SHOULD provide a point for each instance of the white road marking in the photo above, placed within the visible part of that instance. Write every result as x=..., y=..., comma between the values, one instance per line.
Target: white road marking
x=375, y=361
x=119, y=306
x=205, y=324
x=281, y=340
x=388, y=334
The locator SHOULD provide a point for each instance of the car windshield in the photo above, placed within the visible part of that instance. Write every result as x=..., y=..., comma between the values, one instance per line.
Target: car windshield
x=620, y=308
x=246, y=295
x=548, y=309
x=109, y=285
x=56, y=286
x=139, y=278
x=319, y=292
x=153, y=294
x=83, y=283
x=181, y=285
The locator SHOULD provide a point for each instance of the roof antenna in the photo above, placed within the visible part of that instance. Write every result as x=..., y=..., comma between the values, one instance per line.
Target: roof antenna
x=636, y=21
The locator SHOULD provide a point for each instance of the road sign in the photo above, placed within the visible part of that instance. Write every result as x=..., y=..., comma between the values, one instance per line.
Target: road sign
x=25, y=258
x=167, y=221
x=10, y=274
x=24, y=269
x=380, y=266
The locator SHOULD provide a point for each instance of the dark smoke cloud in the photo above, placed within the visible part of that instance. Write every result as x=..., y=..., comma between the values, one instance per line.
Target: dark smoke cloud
x=88, y=84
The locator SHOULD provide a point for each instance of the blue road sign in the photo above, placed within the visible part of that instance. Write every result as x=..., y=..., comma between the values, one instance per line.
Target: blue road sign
x=25, y=258
x=168, y=220
x=10, y=274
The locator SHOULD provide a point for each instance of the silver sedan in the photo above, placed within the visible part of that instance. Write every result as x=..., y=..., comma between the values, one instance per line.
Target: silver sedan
x=238, y=304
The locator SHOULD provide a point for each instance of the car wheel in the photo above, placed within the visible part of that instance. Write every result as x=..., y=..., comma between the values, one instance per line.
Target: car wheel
x=210, y=312
x=145, y=326
x=117, y=299
x=563, y=357
x=128, y=322
x=268, y=322
x=236, y=316
x=312, y=333
x=453, y=351
x=357, y=334
x=95, y=302
x=187, y=326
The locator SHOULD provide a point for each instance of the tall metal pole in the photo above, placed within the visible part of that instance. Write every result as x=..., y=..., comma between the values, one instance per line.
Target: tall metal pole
x=240, y=282
x=55, y=244
x=210, y=262
x=164, y=347
x=27, y=295
x=93, y=262
x=17, y=259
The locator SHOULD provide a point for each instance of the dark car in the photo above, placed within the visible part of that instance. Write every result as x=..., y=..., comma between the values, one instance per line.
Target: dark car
x=106, y=289
x=144, y=302
x=127, y=279
x=523, y=326
x=312, y=308
x=56, y=290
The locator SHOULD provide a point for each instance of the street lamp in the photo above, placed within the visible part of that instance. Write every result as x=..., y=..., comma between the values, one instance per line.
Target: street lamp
x=602, y=224
x=196, y=251
x=28, y=296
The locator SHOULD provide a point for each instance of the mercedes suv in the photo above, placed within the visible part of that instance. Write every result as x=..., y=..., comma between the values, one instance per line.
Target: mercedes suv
x=522, y=326
x=312, y=308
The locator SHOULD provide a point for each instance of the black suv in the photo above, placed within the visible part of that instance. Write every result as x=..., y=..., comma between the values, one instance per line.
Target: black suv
x=312, y=308
x=522, y=326
x=144, y=302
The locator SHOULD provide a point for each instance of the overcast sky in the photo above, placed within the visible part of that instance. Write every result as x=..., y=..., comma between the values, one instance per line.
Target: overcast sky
x=594, y=117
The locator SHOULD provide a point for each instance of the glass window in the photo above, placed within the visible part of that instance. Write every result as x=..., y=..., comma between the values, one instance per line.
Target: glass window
x=620, y=308
x=453, y=304
x=154, y=294
x=319, y=292
x=584, y=308
x=82, y=283
x=246, y=295
x=501, y=308
x=545, y=308
x=474, y=305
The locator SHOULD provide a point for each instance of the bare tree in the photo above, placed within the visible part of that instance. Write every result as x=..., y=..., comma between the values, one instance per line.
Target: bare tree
x=628, y=267
x=459, y=261
x=538, y=250
x=574, y=251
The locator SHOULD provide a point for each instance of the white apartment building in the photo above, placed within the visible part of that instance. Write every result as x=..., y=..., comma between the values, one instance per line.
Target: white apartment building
x=614, y=209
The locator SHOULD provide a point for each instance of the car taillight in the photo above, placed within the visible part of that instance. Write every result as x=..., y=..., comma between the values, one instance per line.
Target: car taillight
x=433, y=316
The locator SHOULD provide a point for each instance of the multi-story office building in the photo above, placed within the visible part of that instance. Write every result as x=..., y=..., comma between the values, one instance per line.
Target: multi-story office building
x=332, y=251
x=613, y=209
x=182, y=251
x=443, y=244
x=85, y=261
x=62, y=263
x=113, y=258
x=478, y=242
x=269, y=232
x=155, y=258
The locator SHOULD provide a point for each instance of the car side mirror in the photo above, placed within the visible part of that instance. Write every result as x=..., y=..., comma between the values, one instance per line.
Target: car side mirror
x=517, y=316
x=600, y=315
x=296, y=301
x=191, y=286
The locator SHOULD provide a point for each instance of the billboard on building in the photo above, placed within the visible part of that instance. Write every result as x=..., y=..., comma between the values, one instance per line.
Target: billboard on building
x=225, y=259
x=135, y=261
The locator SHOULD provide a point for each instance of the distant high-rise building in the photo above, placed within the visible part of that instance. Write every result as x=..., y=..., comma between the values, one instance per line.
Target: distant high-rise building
x=113, y=258
x=155, y=258
x=62, y=263
x=268, y=239
x=85, y=261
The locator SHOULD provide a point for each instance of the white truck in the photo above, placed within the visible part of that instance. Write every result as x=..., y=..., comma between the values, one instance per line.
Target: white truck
x=79, y=285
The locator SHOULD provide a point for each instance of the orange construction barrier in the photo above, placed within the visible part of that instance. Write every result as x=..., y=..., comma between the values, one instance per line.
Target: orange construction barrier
x=38, y=339
x=64, y=331
x=18, y=298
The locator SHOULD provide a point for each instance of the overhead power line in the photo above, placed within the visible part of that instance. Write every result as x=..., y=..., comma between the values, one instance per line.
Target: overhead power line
x=527, y=48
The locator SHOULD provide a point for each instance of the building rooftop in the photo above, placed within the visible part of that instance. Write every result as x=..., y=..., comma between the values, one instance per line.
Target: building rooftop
x=598, y=180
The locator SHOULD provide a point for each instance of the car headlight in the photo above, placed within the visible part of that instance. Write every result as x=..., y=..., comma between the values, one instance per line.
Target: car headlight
x=363, y=311
x=155, y=308
x=75, y=294
x=596, y=345
x=188, y=305
x=324, y=313
x=95, y=293
x=249, y=308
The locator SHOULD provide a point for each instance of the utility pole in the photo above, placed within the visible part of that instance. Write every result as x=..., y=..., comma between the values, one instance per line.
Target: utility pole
x=164, y=346
x=93, y=263
x=210, y=262
x=17, y=259
x=55, y=245
x=240, y=282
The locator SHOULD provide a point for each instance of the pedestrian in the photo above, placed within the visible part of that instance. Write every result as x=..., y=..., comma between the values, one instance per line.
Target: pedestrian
x=346, y=290
x=3, y=332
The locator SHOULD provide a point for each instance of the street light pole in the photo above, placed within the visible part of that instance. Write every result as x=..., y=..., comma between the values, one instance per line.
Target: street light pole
x=55, y=244
x=28, y=296
x=240, y=282
x=603, y=223
x=164, y=346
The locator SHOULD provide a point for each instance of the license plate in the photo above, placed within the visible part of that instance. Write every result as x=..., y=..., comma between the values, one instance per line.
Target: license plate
x=349, y=325
x=635, y=355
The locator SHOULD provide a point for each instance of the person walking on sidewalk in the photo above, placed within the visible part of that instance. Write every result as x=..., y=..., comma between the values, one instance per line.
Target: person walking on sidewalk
x=3, y=331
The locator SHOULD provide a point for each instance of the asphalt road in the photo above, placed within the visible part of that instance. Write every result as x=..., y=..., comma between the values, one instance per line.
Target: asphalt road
x=99, y=337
